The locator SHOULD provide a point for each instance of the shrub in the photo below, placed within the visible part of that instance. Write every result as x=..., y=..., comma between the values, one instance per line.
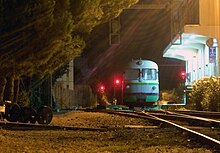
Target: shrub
x=206, y=94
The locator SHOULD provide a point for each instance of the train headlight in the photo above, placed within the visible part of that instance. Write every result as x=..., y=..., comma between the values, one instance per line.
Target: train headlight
x=153, y=88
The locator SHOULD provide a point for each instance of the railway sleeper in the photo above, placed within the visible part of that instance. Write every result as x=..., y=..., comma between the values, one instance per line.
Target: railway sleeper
x=215, y=125
x=199, y=123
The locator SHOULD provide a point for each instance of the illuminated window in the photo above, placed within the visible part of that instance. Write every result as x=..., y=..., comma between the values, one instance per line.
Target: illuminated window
x=149, y=74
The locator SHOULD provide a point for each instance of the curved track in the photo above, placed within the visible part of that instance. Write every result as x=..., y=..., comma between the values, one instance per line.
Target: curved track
x=163, y=120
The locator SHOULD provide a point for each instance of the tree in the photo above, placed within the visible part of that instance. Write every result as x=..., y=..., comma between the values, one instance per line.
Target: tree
x=37, y=40
x=37, y=37
x=20, y=36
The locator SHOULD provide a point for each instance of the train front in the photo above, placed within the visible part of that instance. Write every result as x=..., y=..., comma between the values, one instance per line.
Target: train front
x=141, y=84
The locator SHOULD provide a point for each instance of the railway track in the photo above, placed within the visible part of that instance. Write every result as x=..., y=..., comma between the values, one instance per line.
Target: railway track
x=202, y=138
x=206, y=114
x=27, y=126
x=191, y=119
x=161, y=118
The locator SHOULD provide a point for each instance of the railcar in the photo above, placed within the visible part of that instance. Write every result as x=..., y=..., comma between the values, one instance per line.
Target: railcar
x=141, y=83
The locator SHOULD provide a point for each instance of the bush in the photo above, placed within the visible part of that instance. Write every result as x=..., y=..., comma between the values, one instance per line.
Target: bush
x=175, y=95
x=206, y=94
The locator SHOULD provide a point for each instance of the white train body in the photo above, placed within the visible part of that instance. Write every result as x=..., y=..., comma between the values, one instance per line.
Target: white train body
x=141, y=83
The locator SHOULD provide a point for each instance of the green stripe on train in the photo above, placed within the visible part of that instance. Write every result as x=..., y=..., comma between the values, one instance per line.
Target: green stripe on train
x=151, y=98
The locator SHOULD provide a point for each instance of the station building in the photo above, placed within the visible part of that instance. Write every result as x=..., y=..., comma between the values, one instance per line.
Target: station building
x=196, y=41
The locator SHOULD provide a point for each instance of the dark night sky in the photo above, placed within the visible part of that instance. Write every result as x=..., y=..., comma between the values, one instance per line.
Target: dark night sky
x=144, y=34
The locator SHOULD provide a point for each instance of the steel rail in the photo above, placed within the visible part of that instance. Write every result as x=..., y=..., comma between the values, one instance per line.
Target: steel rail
x=170, y=115
x=198, y=113
x=145, y=115
x=27, y=126
x=211, y=141
x=213, y=122
x=206, y=139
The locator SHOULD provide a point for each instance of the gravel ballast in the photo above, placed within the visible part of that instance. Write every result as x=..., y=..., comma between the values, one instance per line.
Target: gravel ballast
x=120, y=139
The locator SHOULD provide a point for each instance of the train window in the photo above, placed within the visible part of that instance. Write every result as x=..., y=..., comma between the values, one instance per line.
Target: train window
x=149, y=74
x=131, y=74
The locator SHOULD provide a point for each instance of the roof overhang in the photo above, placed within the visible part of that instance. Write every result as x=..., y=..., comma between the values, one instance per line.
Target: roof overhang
x=185, y=46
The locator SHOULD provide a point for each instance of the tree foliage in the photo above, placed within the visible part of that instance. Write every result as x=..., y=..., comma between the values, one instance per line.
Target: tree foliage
x=37, y=37
x=90, y=13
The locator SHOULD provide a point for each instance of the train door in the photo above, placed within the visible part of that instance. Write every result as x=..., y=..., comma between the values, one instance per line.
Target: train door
x=150, y=84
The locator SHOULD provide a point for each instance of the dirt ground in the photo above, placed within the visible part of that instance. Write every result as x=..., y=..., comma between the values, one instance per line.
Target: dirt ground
x=119, y=140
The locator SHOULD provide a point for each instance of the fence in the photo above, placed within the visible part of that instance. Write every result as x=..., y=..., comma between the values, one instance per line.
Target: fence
x=66, y=98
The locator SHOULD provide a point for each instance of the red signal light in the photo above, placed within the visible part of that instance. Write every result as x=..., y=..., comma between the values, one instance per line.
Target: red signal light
x=102, y=88
x=183, y=75
x=117, y=81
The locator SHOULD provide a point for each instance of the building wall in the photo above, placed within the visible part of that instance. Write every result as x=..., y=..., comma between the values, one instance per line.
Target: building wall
x=63, y=89
x=209, y=25
x=67, y=95
x=67, y=79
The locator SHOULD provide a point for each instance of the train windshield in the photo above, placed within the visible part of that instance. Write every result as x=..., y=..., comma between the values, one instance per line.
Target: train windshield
x=131, y=74
x=149, y=74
